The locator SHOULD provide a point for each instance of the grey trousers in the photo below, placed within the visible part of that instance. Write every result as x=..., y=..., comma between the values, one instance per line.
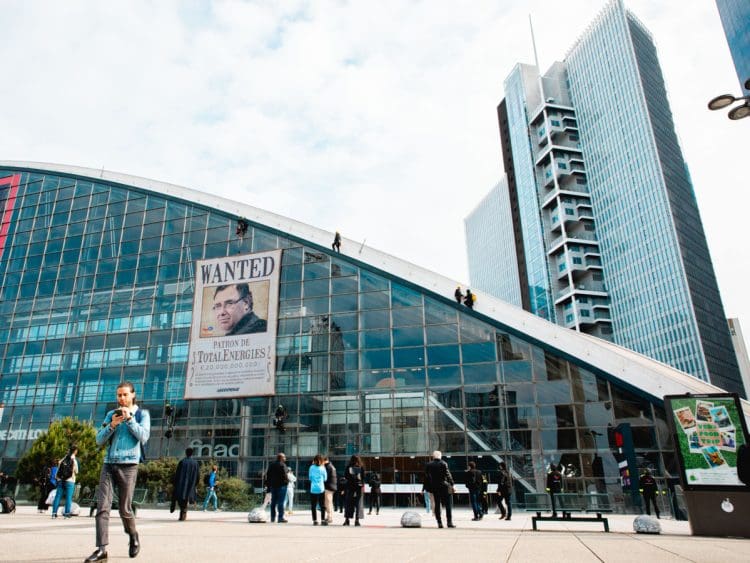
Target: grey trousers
x=123, y=477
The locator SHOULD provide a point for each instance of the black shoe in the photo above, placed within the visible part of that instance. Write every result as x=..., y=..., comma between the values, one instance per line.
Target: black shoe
x=135, y=545
x=508, y=518
x=370, y=511
x=324, y=523
x=476, y=518
x=283, y=521
x=315, y=522
x=356, y=523
x=346, y=522
x=98, y=555
x=440, y=524
x=377, y=512
x=451, y=525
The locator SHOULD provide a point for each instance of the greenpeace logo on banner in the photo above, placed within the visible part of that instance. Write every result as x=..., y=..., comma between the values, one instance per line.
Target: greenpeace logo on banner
x=233, y=332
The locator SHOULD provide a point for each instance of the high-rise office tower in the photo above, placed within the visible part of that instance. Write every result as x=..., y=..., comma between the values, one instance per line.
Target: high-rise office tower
x=611, y=237
x=735, y=17
x=493, y=255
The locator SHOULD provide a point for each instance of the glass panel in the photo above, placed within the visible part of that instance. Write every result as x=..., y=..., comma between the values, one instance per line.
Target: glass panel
x=375, y=339
x=442, y=334
x=408, y=357
x=411, y=336
x=438, y=313
x=407, y=316
x=441, y=355
x=479, y=352
x=375, y=300
x=404, y=297
x=450, y=375
x=480, y=373
x=374, y=319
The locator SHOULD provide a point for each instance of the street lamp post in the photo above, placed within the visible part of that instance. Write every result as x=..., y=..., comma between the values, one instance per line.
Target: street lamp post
x=725, y=100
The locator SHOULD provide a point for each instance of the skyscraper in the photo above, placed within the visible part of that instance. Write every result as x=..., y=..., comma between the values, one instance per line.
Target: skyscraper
x=735, y=17
x=485, y=227
x=612, y=238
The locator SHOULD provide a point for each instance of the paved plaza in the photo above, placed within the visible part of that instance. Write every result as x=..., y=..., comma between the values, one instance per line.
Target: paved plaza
x=227, y=536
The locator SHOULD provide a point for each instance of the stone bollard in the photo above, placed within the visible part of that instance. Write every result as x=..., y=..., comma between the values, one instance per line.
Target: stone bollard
x=257, y=516
x=411, y=520
x=645, y=524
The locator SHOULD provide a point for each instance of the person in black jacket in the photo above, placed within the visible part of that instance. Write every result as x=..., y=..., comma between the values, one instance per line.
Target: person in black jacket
x=355, y=482
x=649, y=490
x=374, y=481
x=185, y=480
x=277, y=480
x=330, y=487
x=504, y=488
x=474, y=484
x=340, y=497
x=554, y=485
x=439, y=481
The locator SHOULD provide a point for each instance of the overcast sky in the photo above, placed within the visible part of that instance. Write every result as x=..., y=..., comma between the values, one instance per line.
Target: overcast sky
x=374, y=118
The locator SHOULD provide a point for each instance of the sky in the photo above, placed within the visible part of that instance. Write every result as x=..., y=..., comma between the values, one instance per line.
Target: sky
x=374, y=118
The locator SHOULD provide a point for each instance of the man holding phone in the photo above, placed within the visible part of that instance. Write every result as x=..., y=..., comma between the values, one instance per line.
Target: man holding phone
x=125, y=431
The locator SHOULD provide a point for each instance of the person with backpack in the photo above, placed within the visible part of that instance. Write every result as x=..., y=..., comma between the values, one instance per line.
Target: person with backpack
x=125, y=432
x=209, y=480
x=67, y=470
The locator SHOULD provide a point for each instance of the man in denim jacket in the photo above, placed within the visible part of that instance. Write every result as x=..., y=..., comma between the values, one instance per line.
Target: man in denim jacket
x=124, y=432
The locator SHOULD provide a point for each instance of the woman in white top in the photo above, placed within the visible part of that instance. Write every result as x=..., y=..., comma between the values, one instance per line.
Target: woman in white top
x=290, y=490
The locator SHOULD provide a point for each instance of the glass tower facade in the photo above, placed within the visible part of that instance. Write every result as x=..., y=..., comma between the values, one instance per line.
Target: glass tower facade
x=735, y=17
x=631, y=213
x=97, y=277
x=493, y=265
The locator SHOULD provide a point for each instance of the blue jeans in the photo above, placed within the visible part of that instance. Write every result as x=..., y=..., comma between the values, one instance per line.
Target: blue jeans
x=476, y=505
x=278, y=496
x=209, y=496
x=427, y=506
x=64, y=488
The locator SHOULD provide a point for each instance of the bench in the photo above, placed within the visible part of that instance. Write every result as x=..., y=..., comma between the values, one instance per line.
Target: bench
x=139, y=498
x=567, y=504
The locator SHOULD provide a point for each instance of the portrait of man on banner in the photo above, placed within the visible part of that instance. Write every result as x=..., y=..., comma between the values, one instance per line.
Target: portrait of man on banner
x=235, y=308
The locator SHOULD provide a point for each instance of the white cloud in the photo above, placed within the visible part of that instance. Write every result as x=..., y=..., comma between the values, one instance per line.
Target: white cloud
x=378, y=119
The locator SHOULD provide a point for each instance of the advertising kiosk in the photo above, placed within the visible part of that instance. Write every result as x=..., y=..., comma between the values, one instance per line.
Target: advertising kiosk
x=708, y=431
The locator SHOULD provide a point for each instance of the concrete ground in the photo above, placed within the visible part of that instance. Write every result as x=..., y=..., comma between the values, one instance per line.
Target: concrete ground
x=227, y=536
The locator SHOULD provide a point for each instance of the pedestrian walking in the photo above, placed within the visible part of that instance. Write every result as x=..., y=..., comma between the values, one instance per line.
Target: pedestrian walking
x=317, y=475
x=374, y=481
x=459, y=296
x=439, y=481
x=125, y=432
x=504, y=489
x=336, y=242
x=339, y=499
x=184, y=481
x=474, y=485
x=211, y=485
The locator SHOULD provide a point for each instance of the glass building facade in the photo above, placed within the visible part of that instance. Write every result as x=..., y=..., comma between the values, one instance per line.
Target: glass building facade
x=735, y=18
x=493, y=263
x=611, y=217
x=96, y=287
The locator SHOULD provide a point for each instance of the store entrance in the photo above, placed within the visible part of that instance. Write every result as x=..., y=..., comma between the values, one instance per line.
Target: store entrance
x=401, y=479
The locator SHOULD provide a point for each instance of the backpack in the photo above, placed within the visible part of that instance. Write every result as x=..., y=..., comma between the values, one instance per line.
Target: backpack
x=65, y=471
x=8, y=505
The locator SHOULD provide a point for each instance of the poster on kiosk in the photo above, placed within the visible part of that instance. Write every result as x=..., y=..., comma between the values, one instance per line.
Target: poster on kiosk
x=708, y=432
